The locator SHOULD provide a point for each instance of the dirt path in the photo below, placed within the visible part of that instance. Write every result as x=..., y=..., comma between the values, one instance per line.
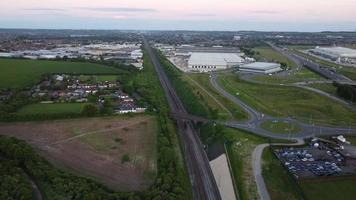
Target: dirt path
x=96, y=131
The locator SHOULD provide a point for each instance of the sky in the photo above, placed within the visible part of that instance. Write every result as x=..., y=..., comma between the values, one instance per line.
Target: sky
x=230, y=15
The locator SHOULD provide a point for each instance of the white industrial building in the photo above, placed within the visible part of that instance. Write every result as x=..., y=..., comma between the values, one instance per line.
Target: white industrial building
x=261, y=67
x=205, y=62
x=338, y=54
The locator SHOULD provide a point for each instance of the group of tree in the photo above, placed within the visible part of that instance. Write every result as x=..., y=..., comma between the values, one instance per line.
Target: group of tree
x=345, y=91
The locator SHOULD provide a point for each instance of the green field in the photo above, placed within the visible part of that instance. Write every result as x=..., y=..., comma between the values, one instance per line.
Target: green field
x=25, y=73
x=200, y=83
x=55, y=108
x=297, y=76
x=282, y=101
x=269, y=54
x=281, y=127
x=330, y=190
x=325, y=87
x=352, y=140
x=99, y=78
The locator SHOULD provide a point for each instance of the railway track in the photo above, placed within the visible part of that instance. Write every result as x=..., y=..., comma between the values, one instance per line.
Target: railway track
x=200, y=174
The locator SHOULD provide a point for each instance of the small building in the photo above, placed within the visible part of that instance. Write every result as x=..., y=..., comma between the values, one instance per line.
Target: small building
x=261, y=67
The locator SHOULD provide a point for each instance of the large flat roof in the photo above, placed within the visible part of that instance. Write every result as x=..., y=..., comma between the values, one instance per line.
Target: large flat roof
x=260, y=65
x=338, y=51
x=200, y=58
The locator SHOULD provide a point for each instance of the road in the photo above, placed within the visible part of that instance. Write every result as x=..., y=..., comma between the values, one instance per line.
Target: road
x=200, y=174
x=257, y=167
x=317, y=68
x=256, y=118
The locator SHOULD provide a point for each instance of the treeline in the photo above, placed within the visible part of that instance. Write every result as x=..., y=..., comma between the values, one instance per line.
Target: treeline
x=13, y=182
x=212, y=133
x=185, y=93
x=347, y=92
x=172, y=180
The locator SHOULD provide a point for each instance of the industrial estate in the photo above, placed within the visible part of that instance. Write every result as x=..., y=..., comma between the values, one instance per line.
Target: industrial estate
x=177, y=115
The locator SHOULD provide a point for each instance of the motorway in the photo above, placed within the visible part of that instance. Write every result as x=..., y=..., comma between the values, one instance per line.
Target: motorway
x=315, y=67
x=200, y=174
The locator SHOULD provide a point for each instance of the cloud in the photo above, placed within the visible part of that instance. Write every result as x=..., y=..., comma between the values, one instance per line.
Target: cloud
x=267, y=12
x=202, y=15
x=119, y=9
x=44, y=9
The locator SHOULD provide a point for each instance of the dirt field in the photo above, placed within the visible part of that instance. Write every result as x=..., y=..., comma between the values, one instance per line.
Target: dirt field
x=95, y=147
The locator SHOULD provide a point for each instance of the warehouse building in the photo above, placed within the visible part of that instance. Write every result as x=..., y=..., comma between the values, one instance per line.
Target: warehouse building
x=205, y=62
x=338, y=54
x=261, y=67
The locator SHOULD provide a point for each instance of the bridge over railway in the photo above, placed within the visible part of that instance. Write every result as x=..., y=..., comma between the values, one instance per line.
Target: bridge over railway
x=200, y=174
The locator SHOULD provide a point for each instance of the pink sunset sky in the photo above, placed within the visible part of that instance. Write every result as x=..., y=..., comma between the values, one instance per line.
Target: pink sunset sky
x=302, y=15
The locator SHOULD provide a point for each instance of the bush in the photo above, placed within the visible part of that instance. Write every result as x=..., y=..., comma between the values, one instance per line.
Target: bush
x=125, y=158
x=89, y=110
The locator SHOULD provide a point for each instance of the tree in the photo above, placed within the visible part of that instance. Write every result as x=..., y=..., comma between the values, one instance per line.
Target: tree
x=89, y=110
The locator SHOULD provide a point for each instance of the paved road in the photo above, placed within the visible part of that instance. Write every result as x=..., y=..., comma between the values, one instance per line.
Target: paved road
x=257, y=167
x=200, y=174
x=303, y=85
x=323, y=71
x=256, y=118
x=257, y=171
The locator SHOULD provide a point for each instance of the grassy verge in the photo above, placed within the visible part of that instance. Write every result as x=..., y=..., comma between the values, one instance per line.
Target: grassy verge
x=239, y=153
x=226, y=109
x=192, y=99
x=282, y=101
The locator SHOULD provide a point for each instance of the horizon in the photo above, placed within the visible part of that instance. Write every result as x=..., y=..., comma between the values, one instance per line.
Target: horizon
x=209, y=15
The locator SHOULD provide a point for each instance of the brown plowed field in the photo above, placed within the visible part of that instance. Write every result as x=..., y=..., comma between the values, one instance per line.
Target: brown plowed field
x=94, y=147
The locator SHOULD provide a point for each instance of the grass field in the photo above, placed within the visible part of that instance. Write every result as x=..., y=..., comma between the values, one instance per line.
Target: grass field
x=352, y=140
x=297, y=76
x=75, y=144
x=24, y=73
x=266, y=53
x=55, y=108
x=280, y=127
x=330, y=190
x=282, y=101
x=325, y=87
x=200, y=83
x=99, y=78
x=278, y=182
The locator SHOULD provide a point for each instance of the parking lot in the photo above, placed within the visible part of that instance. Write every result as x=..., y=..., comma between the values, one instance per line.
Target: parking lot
x=317, y=159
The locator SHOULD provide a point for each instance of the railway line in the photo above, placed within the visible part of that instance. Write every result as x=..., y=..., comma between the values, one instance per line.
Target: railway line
x=200, y=174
